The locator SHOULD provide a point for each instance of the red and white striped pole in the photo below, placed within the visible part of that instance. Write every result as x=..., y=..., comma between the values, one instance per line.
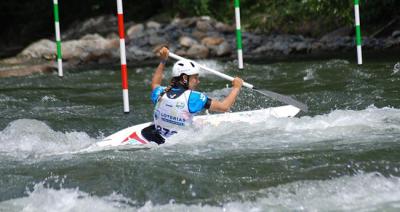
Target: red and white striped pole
x=124, y=70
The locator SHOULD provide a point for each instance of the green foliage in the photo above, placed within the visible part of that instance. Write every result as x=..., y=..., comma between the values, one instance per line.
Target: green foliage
x=378, y=11
x=192, y=7
x=308, y=17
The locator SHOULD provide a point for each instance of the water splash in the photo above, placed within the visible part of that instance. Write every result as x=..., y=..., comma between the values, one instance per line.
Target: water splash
x=351, y=127
x=396, y=68
x=45, y=196
x=28, y=138
x=370, y=191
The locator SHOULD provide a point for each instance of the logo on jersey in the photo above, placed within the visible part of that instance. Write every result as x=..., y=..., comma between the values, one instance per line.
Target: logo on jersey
x=202, y=97
x=173, y=119
x=180, y=105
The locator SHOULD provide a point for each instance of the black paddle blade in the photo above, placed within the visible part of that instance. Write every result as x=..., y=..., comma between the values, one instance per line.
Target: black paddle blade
x=285, y=99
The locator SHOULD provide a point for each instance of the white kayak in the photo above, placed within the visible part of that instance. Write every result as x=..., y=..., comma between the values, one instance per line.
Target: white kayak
x=131, y=137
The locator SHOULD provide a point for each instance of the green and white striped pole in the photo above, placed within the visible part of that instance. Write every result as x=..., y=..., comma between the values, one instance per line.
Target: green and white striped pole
x=358, y=31
x=238, y=34
x=58, y=38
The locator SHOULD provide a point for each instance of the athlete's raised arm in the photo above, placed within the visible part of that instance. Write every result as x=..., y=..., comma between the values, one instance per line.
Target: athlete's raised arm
x=158, y=74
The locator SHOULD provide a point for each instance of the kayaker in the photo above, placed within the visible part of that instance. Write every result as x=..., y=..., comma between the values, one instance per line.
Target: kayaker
x=176, y=104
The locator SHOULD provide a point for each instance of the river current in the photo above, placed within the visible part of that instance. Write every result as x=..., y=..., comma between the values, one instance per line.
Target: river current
x=343, y=154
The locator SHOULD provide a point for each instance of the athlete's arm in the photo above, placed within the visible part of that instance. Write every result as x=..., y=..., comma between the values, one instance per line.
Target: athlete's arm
x=225, y=105
x=158, y=74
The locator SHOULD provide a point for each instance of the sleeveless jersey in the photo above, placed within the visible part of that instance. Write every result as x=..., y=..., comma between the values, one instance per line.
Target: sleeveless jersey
x=174, y=114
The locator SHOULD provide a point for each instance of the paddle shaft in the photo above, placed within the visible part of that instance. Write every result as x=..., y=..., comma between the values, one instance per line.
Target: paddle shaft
x=279, y=97
x=222, y=75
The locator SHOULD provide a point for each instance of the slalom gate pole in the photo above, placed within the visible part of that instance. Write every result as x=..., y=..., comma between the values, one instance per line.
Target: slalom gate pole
x=358, y=31
x=238, y=34
x=58, y=38
x=124, y=70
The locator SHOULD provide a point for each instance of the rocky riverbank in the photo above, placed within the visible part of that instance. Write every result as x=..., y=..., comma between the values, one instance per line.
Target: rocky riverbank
x=96, y=41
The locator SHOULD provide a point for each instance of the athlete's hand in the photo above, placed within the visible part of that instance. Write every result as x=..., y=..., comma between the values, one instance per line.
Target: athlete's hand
x=237, y=82
x=163, y=53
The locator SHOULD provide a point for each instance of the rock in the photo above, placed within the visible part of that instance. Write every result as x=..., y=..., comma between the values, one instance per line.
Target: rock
x=262, y=49
x=102, y=25
x=112, y=36
x=41, y=49
x=153, y=25
x=212, y=41
x=25, y=70
x=187, y=41
x=225, y=28
x=223, y=49
x=396, y=34
x=135, y=31
x=181, y=52
x=197, y=51
x=273, y=48
x=88, y=47
x=217, y=46
x=344, y=31
x=301, y=47
x=156, y=40
x=186, y=23
x=134, y=53
x=203, y=26
x=206, y=18
x=316, y=46
x=199, y=35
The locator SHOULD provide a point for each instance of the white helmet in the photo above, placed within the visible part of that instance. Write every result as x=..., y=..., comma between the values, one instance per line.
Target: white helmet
x=187, y=67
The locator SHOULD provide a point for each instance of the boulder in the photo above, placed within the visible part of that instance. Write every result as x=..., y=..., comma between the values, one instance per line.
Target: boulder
x=133, y=53
x=187, y=23
x=225, y=28
x=25, y=70
x=89, y=46
x=187, y=41
x=396, y=34
x=212, y=41
x=41, y=49
x=343, y=31
x=135, y=31
x=153, y=25
x=199, y=35
x=154, y=40
x=203, y=26
x=181, y=52
x=222, y=49
x=102, y=25
x=197, y=51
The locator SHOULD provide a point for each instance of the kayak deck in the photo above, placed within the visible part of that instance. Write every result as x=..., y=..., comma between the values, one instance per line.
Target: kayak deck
x=132, y=135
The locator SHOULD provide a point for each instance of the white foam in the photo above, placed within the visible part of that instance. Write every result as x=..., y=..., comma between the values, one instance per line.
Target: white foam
x=346, y=126
x=213, y=64
x=50, y=98
x=309, y=74
x=396, y=68
x=44, y=198
x=27, y=138
x=371, y=191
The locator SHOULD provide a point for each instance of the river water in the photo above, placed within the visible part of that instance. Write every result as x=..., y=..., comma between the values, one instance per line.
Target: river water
x=344, y=154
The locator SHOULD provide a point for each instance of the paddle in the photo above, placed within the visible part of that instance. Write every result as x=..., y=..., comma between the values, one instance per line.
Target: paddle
x=279, y=97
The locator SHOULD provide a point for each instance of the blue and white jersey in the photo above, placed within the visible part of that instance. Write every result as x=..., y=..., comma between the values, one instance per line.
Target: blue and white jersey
x=172, y=114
